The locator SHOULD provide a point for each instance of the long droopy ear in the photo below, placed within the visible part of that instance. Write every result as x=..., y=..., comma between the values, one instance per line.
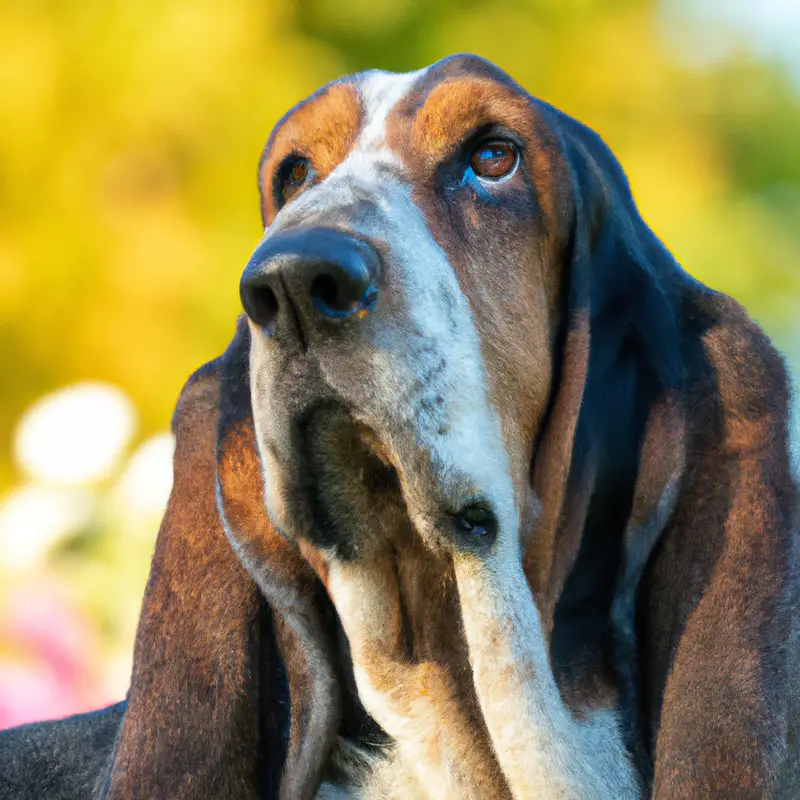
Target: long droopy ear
x=231, y=695
x=616, y=356
x=193, y=723
x=666, y=550
x=616, y=377
x=305, y=620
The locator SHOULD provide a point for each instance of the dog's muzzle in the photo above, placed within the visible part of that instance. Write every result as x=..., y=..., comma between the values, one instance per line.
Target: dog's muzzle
x=365, y=361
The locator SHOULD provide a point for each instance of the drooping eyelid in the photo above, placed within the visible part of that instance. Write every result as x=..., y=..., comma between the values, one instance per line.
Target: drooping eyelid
x=452, y=170
x=282, y=173
x=482, y=135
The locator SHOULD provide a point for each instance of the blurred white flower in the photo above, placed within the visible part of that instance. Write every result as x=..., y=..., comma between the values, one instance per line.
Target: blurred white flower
x=34, y=518
x=76, y=435
x=144, y=486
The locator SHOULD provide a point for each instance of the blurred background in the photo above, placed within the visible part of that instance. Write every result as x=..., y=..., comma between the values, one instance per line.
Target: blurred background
x=129, y=138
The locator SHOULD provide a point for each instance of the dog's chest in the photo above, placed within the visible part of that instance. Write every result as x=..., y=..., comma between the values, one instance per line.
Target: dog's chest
x=382, y=776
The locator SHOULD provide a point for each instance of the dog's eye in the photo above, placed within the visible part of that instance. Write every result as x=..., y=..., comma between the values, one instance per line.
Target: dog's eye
x=494, y=159
x=294, y=175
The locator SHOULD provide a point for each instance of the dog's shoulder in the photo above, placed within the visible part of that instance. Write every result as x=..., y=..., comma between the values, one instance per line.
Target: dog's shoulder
x=60, y=759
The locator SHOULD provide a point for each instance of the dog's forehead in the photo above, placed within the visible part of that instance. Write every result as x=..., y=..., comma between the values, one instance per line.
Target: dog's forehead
x=361, y=109
x=377, y=123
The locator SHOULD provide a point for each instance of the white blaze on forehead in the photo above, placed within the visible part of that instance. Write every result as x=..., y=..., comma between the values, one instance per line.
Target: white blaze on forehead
x=380, y=92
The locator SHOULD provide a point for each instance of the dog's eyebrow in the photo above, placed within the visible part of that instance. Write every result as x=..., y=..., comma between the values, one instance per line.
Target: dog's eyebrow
x=323, y=128
x=453, y=109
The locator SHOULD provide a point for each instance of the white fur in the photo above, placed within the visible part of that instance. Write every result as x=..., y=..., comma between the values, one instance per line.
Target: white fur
x=437, y=751
x=380, y=92
x=543, y=750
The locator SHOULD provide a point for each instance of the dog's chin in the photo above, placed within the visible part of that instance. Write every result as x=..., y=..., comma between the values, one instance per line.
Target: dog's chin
x=343, y=489
x=345, y=496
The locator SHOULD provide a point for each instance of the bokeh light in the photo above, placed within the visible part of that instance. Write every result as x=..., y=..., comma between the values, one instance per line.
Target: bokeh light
x=143, y=488
x=33, y=518
x=76, y=435
x=75, y=537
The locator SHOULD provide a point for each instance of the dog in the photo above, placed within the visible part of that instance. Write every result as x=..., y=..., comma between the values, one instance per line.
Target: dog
x=487, y=498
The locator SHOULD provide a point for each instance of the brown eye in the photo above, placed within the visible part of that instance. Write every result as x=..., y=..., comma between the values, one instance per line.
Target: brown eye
x=295, y=174
x=494, y=160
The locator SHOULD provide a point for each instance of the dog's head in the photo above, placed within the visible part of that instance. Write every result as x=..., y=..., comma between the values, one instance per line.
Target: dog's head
x=429, y=247
x=458, y=326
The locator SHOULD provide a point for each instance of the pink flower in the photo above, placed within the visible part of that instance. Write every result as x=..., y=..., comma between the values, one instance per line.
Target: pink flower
x=49, y=660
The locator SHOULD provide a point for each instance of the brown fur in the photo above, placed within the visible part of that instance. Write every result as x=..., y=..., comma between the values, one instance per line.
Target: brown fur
x=191, y=727
x=720, y=595
x=323, y=129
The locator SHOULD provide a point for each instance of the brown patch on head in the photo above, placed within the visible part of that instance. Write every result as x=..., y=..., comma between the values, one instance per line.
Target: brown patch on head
x=322, y=129
x=455, y=108
x=429, y=129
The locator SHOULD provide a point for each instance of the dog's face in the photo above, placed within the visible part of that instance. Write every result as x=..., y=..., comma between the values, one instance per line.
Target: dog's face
x=403, y=307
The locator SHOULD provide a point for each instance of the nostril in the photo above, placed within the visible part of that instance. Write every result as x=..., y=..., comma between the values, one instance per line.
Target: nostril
x=261, y=305
x=341, y=296
x=325, y=292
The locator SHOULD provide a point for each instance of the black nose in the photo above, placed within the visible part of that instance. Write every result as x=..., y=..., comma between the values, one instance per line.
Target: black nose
x=308, y=277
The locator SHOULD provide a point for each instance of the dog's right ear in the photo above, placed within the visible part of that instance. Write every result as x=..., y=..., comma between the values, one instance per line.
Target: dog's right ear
x=192, y=723
x=305, y=620
x=231, y=696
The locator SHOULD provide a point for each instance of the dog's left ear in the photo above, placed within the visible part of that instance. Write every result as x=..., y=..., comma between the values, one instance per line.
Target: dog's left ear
x=611, y=442
x=667, y=491
x=616, y=361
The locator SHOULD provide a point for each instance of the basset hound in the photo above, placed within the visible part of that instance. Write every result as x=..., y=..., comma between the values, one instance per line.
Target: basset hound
x=488, y=498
